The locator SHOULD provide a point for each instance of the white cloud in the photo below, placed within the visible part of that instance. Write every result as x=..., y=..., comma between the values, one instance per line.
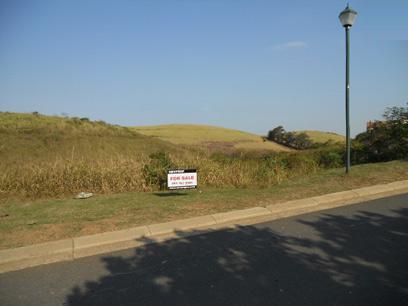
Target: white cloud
x=297, y=44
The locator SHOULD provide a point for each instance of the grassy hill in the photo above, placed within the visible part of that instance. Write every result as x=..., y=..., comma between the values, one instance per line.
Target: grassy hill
x=210, y=137
x=322, y=137
x=34, y=137
x=47, y=156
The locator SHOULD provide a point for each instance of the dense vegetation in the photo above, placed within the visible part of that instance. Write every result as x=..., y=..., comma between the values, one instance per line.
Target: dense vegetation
x=385, y=140
x=382, y=141
x=298, y=141
x=46, y=156
x=302, y=140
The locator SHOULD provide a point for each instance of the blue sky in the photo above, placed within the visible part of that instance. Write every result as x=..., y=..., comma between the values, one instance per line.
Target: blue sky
x=243, y=64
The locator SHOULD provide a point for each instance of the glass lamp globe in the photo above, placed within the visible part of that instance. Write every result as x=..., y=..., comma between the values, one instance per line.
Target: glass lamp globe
x=347, y=16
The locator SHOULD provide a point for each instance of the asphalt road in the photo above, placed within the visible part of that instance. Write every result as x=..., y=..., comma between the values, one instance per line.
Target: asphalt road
x=355, y=255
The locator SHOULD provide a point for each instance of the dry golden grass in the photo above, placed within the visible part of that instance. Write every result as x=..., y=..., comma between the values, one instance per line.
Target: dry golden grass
x=211, y=137
x=46, y=156
x=323, y=137
x=43, y=156
x=63, y=177
x=54, y=157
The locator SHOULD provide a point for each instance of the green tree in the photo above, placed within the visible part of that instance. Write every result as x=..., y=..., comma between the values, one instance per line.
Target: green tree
x=298, y=141
x=302, y=141
x=277, y=134
x=396, y=113
x=387, y=140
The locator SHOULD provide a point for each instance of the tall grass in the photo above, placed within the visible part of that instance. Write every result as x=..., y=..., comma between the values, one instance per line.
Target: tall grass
x=62, y=177
x=43, y=156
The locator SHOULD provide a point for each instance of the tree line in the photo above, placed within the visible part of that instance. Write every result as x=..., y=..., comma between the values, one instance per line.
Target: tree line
x=384, y=140
x=299, y=141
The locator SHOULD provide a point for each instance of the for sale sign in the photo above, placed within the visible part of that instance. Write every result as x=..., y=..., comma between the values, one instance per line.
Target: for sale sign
x=182, y=179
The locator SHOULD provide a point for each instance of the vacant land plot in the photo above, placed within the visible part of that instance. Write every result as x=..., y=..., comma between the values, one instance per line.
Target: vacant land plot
x=47, y=156
x=29, y=222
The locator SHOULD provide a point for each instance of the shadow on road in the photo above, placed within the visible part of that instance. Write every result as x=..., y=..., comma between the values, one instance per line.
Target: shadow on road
x=359, y=260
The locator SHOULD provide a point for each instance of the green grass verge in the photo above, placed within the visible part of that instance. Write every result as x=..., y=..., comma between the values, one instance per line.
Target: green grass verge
x=24, y=223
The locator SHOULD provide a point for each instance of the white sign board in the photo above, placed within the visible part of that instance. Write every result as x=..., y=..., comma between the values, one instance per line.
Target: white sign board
x=182, y=179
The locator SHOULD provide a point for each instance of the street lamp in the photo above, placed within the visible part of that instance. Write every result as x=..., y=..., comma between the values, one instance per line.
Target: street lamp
x=347, y=17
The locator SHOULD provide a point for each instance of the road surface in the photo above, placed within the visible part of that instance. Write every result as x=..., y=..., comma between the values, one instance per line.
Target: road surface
x=354, y=255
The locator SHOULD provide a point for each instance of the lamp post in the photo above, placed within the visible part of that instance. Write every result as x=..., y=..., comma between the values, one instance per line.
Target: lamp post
x=347, y=17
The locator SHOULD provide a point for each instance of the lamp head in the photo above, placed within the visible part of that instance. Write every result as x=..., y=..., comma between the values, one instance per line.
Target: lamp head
x=347, y=16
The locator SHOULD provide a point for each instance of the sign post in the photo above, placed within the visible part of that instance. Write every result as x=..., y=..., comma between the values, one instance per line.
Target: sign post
x=182, y=179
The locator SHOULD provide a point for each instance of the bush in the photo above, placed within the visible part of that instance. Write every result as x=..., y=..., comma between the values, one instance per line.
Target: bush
x=385, y=140
x=330, y=159
x=155, y=172
x=300, y=163
x=298, y=141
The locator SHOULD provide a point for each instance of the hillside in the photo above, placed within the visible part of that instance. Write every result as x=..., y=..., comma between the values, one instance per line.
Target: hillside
x=44, y=156
x=34, y=137
x=322, y=137
x=28, y=137
x=49, y=156
x=210, y=137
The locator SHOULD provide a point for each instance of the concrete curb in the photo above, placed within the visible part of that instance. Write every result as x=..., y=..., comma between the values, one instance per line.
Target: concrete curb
x=34, y=255
x=237, y=215
x=70, y=249
x=399, y=185
x=108, y=242
x=373, y=190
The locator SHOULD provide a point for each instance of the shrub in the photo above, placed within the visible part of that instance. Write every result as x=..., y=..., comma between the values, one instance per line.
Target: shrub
x=330, y=159
x=155, y=172
x=386, y=140
x=299, y=141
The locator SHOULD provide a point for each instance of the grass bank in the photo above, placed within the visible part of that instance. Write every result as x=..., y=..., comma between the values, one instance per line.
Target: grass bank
x=212, y=138
x=29, y=222
x=323, y=137
x=49, y=156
